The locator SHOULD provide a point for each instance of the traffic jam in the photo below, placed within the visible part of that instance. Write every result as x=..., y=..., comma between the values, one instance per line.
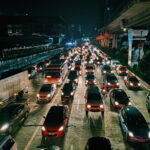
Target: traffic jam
x=80, y=99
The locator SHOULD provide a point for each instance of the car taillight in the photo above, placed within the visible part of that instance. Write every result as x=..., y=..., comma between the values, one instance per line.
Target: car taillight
x=43, y=128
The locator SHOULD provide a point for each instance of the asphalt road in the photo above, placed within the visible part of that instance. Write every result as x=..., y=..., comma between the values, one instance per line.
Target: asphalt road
x=80, y=127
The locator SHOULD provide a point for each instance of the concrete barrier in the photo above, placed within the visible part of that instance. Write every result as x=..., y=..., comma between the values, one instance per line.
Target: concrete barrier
x=12, y=85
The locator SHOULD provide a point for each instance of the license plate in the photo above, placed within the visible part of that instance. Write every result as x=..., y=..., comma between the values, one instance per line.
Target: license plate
x=51, y=134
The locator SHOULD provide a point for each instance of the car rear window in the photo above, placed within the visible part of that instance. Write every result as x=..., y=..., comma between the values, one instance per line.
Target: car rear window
x=94, y=98
x=133, y=80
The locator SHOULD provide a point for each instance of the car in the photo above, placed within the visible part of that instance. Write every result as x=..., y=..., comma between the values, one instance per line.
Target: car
x=12, y=116
x=7, y=142
x=46, y=93
x=118, y=99
x=106, y=69
x=110, y=81
x=89, y=68
x=31, y=72
x=148, y=101
x=68, y=91
x=93, y=100
x=134, y=125
x=114, y=63
x=73, y=76
x=132, y=82
x=121, y=70
x=40, y=66
x=78, y=70
x=55, y=122
x=98, y=143
x=90, y=79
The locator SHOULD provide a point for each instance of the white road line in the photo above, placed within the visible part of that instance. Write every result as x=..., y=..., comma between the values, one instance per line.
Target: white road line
x=71, y=148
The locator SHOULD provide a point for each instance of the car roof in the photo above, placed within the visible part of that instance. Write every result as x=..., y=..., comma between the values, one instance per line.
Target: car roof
x=99, y=143
x=93, y=88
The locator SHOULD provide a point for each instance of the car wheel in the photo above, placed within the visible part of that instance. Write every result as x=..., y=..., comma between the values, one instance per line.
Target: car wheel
x=86, y=113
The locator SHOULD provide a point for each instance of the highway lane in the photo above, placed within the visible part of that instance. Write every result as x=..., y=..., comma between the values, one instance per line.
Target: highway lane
x=80, y=127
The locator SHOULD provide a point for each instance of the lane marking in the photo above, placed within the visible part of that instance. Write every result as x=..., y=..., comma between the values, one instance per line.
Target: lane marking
x=71, y=148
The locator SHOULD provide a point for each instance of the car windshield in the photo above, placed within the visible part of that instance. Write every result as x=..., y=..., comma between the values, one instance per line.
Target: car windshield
x=89, y=67
x=137, y=122
x=72, y=74
x=122, y=68
x=133, y=80
x=45, y=89
x=90, y=77
x=106, y=68
x=67, y=87
x=53, y=74
x=94, y=98
x=112, y=79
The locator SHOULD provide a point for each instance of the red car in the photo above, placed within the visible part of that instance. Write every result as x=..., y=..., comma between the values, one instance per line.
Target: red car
x=55, y=122
x=132, y=82
x=122, y=70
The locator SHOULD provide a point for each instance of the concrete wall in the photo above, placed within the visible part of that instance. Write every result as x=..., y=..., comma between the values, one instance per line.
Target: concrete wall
x=13, y=84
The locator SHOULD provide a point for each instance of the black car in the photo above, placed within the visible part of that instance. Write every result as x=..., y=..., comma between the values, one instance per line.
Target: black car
x=93, y=100
x=134, y=125
x=68, y=91
x=106, y=69
x=90, y=79
x=111, y=81
x=73, y=76
x=40, y=66
x=31, y=72
x=12, y=116
x=148, y=101
x=118, y=99
x=98, y=143
x=55, y=122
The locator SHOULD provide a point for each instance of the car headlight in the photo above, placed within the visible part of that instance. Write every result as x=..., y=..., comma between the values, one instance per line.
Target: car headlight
x=38, y=95
x=4, y=127
x=139, y=84
x=45, y=80
x=71, y=93
x=108, y=83
x=88, y=106
x=116, y=103
x=148, y=134
x=29, y=75
x=43, y=128
x=62, y=93
x=101, y=106
x=129, y=103
x=131, y=84
x=117, y=84
x=131, y=134
x=111, y=71
x=61, y=128
x=104, y=71
x=49, y=95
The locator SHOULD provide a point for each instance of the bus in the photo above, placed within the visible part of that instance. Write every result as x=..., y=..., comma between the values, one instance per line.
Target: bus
x=56, y=72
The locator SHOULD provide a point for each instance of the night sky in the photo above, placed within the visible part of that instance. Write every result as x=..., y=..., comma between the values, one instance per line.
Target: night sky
x=88, y=13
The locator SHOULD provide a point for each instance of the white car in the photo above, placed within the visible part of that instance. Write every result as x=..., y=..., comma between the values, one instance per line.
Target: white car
x=114, y=63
